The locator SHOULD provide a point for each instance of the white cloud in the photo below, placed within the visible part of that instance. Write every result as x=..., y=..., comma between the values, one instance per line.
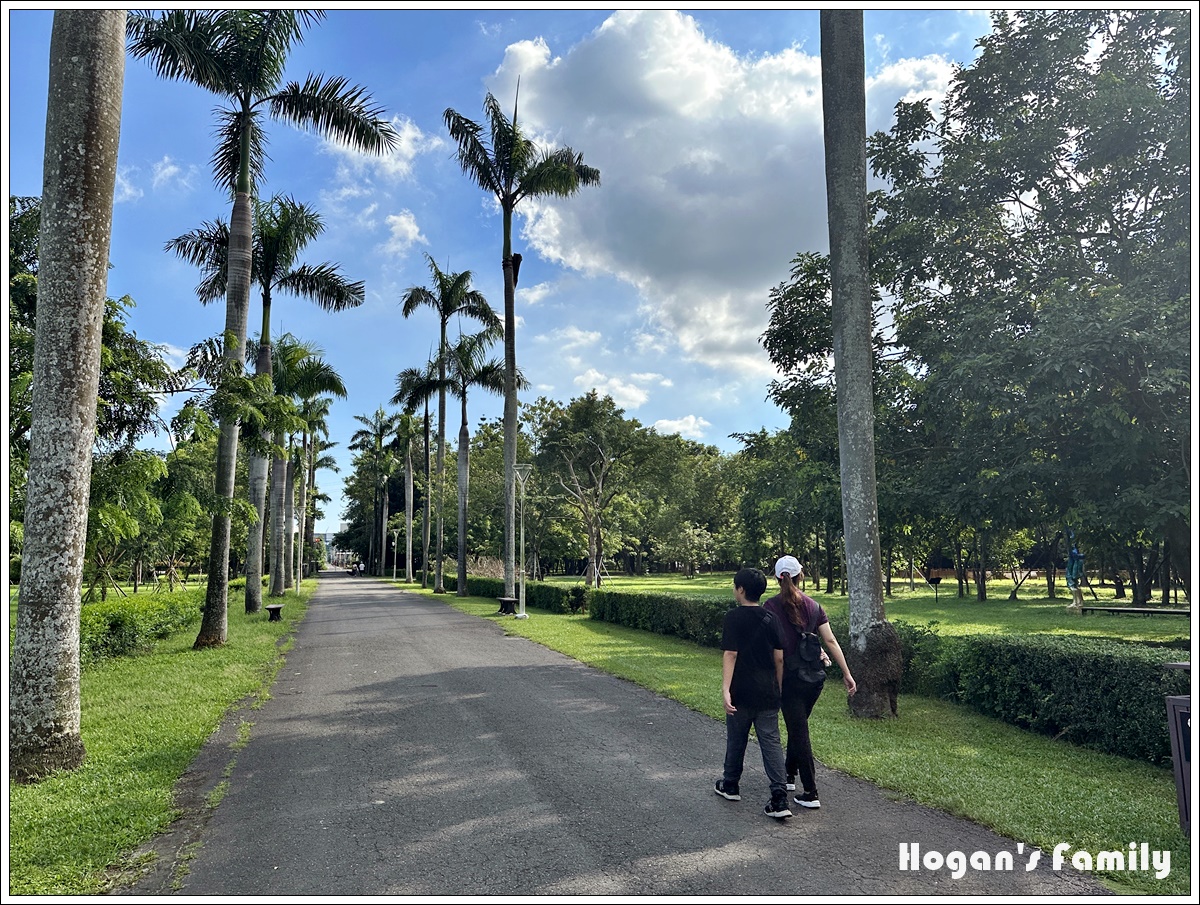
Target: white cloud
x=711, y=166
x=167, y=175
x=623, y=393
x=688, y=426
x=535, y=294
x=395, y=166
x=125, y=189
x=570, y=337
x=403, y=233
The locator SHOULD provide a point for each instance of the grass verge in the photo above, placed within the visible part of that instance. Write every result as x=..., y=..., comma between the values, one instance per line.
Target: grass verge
x=144, y=719
x=1023, y=786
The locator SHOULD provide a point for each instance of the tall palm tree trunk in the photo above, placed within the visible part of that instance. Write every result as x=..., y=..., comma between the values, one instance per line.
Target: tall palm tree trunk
x=510, y=412
x=425, y=519
x=301, y=508
x=874, y=649
x=289, y=519
x=464, y=476
x=214, y=623
x=408, y=512
x=258, y=467
x=83, y=127
x=278, y=482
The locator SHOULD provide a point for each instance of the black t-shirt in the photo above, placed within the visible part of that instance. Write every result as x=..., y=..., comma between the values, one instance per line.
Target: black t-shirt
x=754, y=634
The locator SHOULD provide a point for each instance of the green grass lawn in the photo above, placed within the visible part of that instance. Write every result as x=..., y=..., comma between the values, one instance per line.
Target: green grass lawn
x=144, y=719
x=1024, y=786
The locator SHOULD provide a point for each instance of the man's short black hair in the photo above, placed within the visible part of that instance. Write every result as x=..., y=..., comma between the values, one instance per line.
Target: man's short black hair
x=752, y=581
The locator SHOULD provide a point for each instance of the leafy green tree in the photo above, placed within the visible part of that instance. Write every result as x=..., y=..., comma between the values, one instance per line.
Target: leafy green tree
x=240, y=56
x=376, y=441
x=505, y=163
x=83, y=122
x=283, y=228
x=593, y=452
x=1037, y=236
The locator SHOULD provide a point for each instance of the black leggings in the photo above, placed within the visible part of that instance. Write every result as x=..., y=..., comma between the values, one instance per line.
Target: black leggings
x=798, y=700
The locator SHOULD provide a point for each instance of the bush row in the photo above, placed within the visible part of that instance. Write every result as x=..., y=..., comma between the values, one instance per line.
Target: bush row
x=125, y=625
x=552, y=598
x=699, y=621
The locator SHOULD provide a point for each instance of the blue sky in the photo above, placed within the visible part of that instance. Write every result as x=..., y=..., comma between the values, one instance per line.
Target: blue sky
x=705, y=126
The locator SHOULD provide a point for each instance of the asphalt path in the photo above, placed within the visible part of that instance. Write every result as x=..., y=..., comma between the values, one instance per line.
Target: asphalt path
x=408, y=749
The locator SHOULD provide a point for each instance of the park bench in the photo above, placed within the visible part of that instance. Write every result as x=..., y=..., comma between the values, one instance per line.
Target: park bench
x=273, y=612
x=508, y=605
x=1137, y=610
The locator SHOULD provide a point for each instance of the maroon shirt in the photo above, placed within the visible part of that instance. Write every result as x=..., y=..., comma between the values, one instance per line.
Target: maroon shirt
x=814, y=618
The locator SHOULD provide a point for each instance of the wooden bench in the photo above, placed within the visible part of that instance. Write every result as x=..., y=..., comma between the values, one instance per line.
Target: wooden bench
x=1137, y=610
x=273, y=610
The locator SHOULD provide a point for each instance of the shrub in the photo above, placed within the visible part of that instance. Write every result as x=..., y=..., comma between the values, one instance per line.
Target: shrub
x=124, y=625
x=694, y=620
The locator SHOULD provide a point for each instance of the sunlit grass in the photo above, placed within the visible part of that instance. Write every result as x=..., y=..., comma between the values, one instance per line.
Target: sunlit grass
x=144, y=719
x=1024, y=786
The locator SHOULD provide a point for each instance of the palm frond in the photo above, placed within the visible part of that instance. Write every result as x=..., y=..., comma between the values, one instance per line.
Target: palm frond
x=324, y=285
x=337, y=110
x=227, y=156
x=181, y=45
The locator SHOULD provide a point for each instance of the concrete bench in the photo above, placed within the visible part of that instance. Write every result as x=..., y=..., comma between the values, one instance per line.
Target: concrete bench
x=508, y=605
x=273, y=612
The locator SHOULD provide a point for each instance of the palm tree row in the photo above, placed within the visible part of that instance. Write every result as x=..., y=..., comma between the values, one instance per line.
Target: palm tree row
x=240, y=56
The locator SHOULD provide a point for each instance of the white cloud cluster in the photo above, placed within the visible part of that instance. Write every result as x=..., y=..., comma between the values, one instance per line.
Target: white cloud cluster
x=168, y=176
x=691, y=426
x=403, y=234
x=711, y=165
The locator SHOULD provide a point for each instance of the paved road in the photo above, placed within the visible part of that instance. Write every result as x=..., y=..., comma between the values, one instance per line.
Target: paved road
x=409, y=749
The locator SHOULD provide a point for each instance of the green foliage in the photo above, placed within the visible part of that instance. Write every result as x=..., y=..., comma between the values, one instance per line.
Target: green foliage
x=126, y=625
x=1105, y=695
x=697, y=620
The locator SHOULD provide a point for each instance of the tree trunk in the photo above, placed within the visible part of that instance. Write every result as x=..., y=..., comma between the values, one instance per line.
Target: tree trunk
x=254, y=544
x=383, y=520
x=278, y=484
x=464, y=479
x=874, y=650
x=303, y=514
x=427, y=509
x=439, y=586
x=289, y=520
x=83, y=127
x=408, y=513
x=510, y=413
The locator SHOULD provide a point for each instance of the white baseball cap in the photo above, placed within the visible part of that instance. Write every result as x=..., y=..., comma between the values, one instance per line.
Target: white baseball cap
x=788, y=564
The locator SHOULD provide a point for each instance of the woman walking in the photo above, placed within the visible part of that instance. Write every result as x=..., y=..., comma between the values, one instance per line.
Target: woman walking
x=806, y=638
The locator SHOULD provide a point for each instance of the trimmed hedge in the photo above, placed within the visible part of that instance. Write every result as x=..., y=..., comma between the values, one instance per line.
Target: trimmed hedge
x=693, y=620
x=125, y=625
x=552, y=598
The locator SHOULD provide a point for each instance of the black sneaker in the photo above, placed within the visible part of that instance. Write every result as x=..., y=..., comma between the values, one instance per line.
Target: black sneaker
x=728, y=790
x=778, y=808
x=808, y=800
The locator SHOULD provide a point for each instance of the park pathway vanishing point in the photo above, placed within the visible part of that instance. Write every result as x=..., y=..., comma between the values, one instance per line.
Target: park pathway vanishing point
x=410, y=749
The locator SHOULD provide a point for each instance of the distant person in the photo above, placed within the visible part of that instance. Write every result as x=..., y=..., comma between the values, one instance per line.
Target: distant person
x=1075, y=577
x=362, y=568
x=751, y=674
x=806, y=638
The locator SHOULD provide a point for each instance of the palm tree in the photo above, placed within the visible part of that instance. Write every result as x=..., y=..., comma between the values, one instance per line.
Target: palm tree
x=314, y=412
x=451, y=295
x=407, y=430
x=874, y=650
x=83, y=123
x=467, y=368
x=300, y=372
x=415, y=387
x=512, y=167
x=240, y=56
x=283, y=227
x=377, y=441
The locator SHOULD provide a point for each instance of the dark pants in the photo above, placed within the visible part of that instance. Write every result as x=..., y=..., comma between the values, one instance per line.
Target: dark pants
x=798, y=700
x=737, y=737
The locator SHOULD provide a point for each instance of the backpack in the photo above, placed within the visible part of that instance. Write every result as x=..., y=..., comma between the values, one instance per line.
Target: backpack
x=805, y=661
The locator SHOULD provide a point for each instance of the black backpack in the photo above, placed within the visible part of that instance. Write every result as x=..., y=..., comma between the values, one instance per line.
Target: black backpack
x=805, y=662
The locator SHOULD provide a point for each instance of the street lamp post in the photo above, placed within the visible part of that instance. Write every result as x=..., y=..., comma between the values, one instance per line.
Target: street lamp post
x=522, y=472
